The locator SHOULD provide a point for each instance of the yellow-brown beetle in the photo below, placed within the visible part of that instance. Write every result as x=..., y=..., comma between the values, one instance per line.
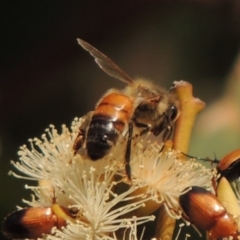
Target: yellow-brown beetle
x=33, y=222
x=229, y=166
x=205, y=211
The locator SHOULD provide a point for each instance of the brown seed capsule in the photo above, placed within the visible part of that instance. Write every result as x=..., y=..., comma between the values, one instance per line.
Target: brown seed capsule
x=33, y=222
x=205, y=211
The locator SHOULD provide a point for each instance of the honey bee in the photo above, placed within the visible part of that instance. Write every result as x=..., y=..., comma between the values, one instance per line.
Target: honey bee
x=141, y=106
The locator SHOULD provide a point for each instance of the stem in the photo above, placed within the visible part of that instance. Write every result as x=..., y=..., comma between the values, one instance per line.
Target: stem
x=165, y=225
x=189, y=107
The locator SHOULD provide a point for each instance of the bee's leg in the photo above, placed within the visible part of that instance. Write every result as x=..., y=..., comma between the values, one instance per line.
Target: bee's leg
x=146, y=127
x=79, y=141
x=168, y=123
x=128, y=151
x=82, y=132
x=167, y=132
x=167, y=128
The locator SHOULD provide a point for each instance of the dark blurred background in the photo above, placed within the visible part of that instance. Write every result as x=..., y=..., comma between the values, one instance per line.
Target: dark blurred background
x=46, y=78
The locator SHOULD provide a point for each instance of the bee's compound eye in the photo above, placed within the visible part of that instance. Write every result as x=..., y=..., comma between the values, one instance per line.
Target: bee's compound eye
x=173, y=113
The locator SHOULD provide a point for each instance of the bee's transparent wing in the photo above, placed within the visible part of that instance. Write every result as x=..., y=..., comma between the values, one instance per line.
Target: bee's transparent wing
x=105, y=63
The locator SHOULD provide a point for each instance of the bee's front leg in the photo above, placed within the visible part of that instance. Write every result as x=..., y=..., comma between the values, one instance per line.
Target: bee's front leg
x=145, y=127
x=128, y=152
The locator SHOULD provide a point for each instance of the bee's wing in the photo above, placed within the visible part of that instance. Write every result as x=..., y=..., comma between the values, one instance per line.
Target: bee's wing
x=105, y=63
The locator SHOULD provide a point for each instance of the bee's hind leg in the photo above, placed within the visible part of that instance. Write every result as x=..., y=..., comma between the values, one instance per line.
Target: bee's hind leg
x=78, y=142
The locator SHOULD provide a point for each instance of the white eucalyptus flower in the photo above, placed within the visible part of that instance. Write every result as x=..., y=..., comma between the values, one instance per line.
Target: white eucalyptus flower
x=165, y=175
x=107, y=205
x=76, y=182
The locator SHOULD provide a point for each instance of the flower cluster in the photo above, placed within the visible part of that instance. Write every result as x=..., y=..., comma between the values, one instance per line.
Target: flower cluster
x=104, y=204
